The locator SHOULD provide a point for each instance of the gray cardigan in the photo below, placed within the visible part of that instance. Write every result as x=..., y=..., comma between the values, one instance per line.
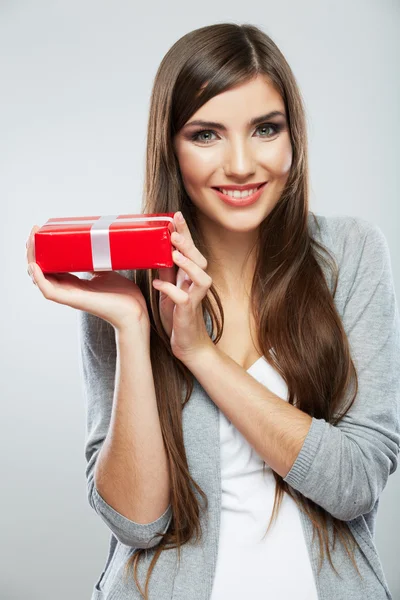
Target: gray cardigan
x=342, y=468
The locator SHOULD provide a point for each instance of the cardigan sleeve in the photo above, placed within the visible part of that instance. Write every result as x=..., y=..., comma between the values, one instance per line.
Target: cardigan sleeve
x=98, y=367
x=344, y=468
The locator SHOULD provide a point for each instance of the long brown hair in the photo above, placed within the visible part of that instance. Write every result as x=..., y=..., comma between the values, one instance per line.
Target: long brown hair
x=290, y=297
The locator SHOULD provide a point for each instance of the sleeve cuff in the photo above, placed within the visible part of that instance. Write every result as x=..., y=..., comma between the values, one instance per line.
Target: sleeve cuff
x=307, y=454
x=130, y=533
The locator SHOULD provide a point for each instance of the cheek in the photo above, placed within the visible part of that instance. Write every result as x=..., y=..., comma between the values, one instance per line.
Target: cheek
x=195, y=166
x=286, y=161
x=279, y=160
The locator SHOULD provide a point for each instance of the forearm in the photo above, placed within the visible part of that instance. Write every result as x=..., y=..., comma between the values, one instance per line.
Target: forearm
x=131, y=472
x=272, y=426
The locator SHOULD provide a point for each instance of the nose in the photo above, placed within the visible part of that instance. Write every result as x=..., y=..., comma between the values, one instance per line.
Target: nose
x=240, y=160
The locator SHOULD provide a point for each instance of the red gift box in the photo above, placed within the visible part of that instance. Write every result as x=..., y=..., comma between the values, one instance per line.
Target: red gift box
x=105, y=243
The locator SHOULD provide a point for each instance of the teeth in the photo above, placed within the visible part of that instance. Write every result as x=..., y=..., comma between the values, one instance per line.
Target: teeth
x=237, y=194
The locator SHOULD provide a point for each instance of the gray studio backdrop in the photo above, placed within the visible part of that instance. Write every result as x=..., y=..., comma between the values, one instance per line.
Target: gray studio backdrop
x=75, y=86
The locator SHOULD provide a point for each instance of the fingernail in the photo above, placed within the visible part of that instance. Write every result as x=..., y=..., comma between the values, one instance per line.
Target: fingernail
x=180, y=217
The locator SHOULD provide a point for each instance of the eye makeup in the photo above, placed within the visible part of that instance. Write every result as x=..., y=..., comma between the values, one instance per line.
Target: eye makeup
x=195, y=136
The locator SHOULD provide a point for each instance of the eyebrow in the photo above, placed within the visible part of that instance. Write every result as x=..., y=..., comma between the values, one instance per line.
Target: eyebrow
x=221, y=126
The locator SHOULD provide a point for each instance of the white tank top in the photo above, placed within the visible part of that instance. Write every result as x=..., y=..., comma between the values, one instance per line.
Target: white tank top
x=247, y=566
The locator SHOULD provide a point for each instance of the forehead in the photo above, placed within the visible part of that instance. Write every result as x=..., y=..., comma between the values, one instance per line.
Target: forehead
x=244, y=101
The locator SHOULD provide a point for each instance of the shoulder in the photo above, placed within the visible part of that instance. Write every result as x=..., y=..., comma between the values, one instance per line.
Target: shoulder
x=359, y=249
x=349, y=238
x=341, y=229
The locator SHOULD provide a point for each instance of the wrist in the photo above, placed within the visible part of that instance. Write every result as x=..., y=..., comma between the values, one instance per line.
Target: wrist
x=133, y=326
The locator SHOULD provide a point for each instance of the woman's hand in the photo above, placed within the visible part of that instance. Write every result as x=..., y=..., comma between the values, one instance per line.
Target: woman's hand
x=181, y=293
x=107, y=295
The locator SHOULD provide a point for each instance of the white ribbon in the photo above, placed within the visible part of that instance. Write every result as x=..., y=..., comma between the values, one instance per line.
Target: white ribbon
x=100, y=235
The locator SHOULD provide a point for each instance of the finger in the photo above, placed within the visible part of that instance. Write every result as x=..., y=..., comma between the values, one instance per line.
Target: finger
x=176, y=295
x=34, y=229
x=48, y=284
x=30, y=246
x=182, y=279
x=30, y=252
x=31, y=272
x=201, y=280
x=182, y=239
x=186, y=285
x=38, y=278
x=168, y=273
x=29, y=236
x=186, y=244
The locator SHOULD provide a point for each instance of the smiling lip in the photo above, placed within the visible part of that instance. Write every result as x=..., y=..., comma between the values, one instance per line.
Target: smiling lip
x=240, y=188
x=241, y=201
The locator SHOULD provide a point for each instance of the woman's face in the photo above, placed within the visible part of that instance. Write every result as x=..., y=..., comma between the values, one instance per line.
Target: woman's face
x=236, y=153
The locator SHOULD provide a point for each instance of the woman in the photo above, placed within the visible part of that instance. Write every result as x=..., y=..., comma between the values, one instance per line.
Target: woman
x=242, y=408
